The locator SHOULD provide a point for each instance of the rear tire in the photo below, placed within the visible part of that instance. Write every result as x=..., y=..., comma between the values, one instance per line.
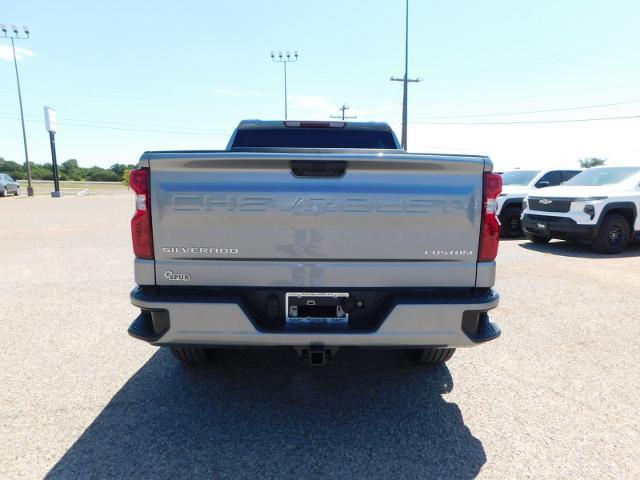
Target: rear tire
x=17, y=191
x=510, y=223
x=194, y=355
x=538, y=238
x=613, y=236
x=430, y=356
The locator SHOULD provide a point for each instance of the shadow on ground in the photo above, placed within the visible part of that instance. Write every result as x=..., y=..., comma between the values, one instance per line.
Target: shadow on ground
x=577, y=249
x=264, y=414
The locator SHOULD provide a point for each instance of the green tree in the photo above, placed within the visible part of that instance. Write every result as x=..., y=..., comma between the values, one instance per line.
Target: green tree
x=592, y=162
x=41, y=172
x=71, y=170
x=11, y=168
x=120, y=168
x=68, y=170
x=126, y=177
x=99, y=174
x=71, y=164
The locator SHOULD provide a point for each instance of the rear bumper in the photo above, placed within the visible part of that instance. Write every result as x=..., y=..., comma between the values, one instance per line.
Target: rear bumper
x=557, y=227
x=222, y=317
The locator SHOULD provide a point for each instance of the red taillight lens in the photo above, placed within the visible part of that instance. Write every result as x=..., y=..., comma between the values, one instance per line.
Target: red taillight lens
x=490, y=229
x=139, y=180
x=141, y=221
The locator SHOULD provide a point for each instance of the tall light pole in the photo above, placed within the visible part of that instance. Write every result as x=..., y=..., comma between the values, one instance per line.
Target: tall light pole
x=405, y=80
x=17, y=36
x=284, y=59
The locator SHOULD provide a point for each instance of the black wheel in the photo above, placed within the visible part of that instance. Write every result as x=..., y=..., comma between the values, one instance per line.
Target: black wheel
x=17, y=191
x=538, y=238
x=510, y=222
x=193, y=355
x=613, y=236
x=430, y=356
x=4, y=192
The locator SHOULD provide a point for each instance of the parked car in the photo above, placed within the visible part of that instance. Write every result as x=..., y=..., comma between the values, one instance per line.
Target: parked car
x=8, y=186
x=314, y=235
x=600, y=205
x=516, y=184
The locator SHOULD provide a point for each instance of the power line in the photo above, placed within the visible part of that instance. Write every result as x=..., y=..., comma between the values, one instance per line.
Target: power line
x=101, y=122
x=107, y=127
x=532, y=122
x=342, y=115
x=554, y=58
x=4, y=116
x=105, y=122
x=524, y=112
x=551, y=93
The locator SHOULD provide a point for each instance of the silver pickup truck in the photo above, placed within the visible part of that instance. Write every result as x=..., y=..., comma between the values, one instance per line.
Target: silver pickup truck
x=314, y=235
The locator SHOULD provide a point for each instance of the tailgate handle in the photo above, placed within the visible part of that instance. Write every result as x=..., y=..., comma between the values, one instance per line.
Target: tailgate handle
x=318, y=169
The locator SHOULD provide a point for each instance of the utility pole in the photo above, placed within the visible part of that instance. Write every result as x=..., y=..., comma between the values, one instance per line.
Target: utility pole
x=343, y=109
x=405, y=80
x=284, y=59
x=17, y=36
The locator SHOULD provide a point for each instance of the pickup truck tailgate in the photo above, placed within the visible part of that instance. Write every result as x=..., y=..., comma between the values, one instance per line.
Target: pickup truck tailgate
x=216, y=211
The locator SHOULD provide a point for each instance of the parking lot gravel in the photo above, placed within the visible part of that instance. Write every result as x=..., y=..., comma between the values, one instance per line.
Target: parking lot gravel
x=557, y=396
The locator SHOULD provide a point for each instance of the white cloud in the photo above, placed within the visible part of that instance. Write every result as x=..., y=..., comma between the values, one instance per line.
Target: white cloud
x=21, y=53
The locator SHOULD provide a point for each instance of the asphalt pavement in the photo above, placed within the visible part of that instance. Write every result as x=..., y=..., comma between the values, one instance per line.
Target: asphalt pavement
x=557, y=396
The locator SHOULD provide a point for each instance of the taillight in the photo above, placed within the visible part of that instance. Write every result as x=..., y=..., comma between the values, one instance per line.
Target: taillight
x=141, y=221
x=490, y=229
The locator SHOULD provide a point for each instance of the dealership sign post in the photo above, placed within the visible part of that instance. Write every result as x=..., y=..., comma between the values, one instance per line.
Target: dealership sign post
x=52, y=127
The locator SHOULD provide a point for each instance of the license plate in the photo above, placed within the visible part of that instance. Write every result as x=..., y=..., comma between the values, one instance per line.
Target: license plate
x=316, y=308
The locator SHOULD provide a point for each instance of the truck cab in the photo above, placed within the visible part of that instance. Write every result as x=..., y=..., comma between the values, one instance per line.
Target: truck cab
x=261, y=134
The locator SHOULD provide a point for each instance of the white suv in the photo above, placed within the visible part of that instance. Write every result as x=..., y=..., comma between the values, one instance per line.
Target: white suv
x=600, y=205
x=516, y=184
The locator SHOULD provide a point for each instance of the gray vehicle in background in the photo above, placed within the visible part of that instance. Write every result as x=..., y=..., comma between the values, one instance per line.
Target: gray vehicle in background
x=8, y=186
x=314, y=235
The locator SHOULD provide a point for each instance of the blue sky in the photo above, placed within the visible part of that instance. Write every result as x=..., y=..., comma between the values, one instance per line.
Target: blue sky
x=128, y=76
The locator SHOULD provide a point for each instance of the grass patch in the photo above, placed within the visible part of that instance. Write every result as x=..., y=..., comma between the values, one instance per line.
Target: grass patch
x=45, y=187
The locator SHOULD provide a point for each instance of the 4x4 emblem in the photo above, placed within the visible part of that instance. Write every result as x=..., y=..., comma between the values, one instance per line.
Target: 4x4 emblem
x=546, y=201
